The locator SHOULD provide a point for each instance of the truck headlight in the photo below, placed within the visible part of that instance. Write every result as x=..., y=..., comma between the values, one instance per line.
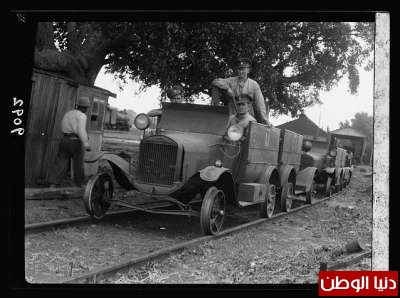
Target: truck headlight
x=142, y=121
x=332, y=152
x=235, y=132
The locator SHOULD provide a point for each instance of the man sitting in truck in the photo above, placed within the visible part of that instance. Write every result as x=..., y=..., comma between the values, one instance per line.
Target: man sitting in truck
x=242, y=116
x=174, y=94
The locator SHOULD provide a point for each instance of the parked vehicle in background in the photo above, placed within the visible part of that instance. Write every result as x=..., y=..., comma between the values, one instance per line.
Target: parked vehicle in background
x=333, y=172
x=115, y=119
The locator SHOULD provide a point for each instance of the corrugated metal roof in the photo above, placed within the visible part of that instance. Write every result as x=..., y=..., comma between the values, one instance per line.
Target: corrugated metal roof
x=304, y=126
x=348, y=131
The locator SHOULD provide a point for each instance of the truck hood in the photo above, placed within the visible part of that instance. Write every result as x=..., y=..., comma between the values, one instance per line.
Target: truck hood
x=194, y=142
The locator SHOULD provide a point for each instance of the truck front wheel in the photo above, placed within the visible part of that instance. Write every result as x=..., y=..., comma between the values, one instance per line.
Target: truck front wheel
x=212, y=212
x=98, y=195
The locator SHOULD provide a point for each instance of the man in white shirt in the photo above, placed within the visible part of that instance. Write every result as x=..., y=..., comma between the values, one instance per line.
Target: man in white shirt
x=229, y=89
x=72, y=145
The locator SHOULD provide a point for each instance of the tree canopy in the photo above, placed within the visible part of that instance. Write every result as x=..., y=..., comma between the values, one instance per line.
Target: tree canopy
x=361, y=122
x=292, y=61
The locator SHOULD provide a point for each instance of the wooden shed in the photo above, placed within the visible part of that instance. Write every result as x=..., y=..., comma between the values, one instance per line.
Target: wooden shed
x=52, y=96
x=352, y=139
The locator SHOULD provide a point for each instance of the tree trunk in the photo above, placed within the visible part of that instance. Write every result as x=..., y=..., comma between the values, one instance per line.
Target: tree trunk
x=79, y=64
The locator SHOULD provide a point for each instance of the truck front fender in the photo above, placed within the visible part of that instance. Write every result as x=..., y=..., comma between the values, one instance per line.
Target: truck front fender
x=287, y=173
x=222, y=178
x=305, y=177
x=212, y=173
x=119, y=166
x=270, y=173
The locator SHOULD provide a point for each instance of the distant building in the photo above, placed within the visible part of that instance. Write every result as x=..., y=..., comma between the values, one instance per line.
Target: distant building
x=353, y=140
x=310, y=131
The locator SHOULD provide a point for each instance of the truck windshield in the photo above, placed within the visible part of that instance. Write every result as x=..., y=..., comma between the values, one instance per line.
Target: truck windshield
x=194, y=118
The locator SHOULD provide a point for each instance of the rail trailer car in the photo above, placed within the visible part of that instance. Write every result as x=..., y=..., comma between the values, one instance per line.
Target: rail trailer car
x=334, y=171
x=198, y=166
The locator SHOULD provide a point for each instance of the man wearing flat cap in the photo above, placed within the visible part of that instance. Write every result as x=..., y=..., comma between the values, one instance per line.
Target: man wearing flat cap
x=229, y=89
x=242, y=116
x=175, y=94
x=73, y=143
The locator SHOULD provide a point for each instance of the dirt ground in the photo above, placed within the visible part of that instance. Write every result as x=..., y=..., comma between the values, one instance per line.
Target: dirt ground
x=287, y=250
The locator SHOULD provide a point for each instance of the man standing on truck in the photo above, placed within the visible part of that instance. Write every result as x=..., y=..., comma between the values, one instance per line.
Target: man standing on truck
x=229, y=89
x=72, y=145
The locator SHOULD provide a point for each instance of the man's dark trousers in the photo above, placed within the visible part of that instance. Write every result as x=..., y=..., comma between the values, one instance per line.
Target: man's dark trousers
x=69, y=147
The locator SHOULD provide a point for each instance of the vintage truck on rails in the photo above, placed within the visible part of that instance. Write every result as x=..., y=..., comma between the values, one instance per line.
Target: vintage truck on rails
x=333, y=172
x=197, y=165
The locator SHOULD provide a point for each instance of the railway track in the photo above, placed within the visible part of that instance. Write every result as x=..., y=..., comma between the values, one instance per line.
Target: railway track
x=50, y=225
x=107, y=271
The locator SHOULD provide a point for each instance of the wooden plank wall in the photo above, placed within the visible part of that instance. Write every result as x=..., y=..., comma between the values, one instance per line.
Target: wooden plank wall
x=65, y=100
x=51, y=97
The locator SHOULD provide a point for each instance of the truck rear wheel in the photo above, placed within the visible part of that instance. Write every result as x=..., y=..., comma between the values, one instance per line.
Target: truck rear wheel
x=212, y=212
x=339, y=186
x=310, y=194
x=328, y=187
x=268, y=206
x=287, y=195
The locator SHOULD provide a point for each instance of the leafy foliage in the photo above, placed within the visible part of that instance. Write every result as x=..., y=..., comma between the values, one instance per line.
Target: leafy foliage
x=292, y=61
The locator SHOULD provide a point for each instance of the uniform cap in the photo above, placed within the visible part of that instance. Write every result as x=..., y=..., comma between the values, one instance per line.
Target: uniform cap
x=83, y=101
x=244, y=62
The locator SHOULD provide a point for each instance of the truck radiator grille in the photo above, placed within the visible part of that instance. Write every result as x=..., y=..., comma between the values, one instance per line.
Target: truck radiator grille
x=157, y=162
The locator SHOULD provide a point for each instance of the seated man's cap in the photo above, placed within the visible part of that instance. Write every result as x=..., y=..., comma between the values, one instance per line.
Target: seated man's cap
x=83, y=101
x=244, y=62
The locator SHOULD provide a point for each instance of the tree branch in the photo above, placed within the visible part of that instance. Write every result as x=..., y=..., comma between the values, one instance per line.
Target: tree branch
x=45, y=36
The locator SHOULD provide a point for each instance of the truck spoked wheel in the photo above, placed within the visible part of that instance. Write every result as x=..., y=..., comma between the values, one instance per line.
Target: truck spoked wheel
x=212, y=212
x=341, y=183
x=339, y=186
x=98, y=195
x=287, y=197
x=328, y=187
x=268, y=207
x=310, y=194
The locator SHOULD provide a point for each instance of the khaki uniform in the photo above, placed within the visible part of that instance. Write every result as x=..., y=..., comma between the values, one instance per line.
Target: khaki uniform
x=242, y=120
x=259, y=107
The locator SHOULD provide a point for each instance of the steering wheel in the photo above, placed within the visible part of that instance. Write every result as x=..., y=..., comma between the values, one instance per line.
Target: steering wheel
x=222, y=145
